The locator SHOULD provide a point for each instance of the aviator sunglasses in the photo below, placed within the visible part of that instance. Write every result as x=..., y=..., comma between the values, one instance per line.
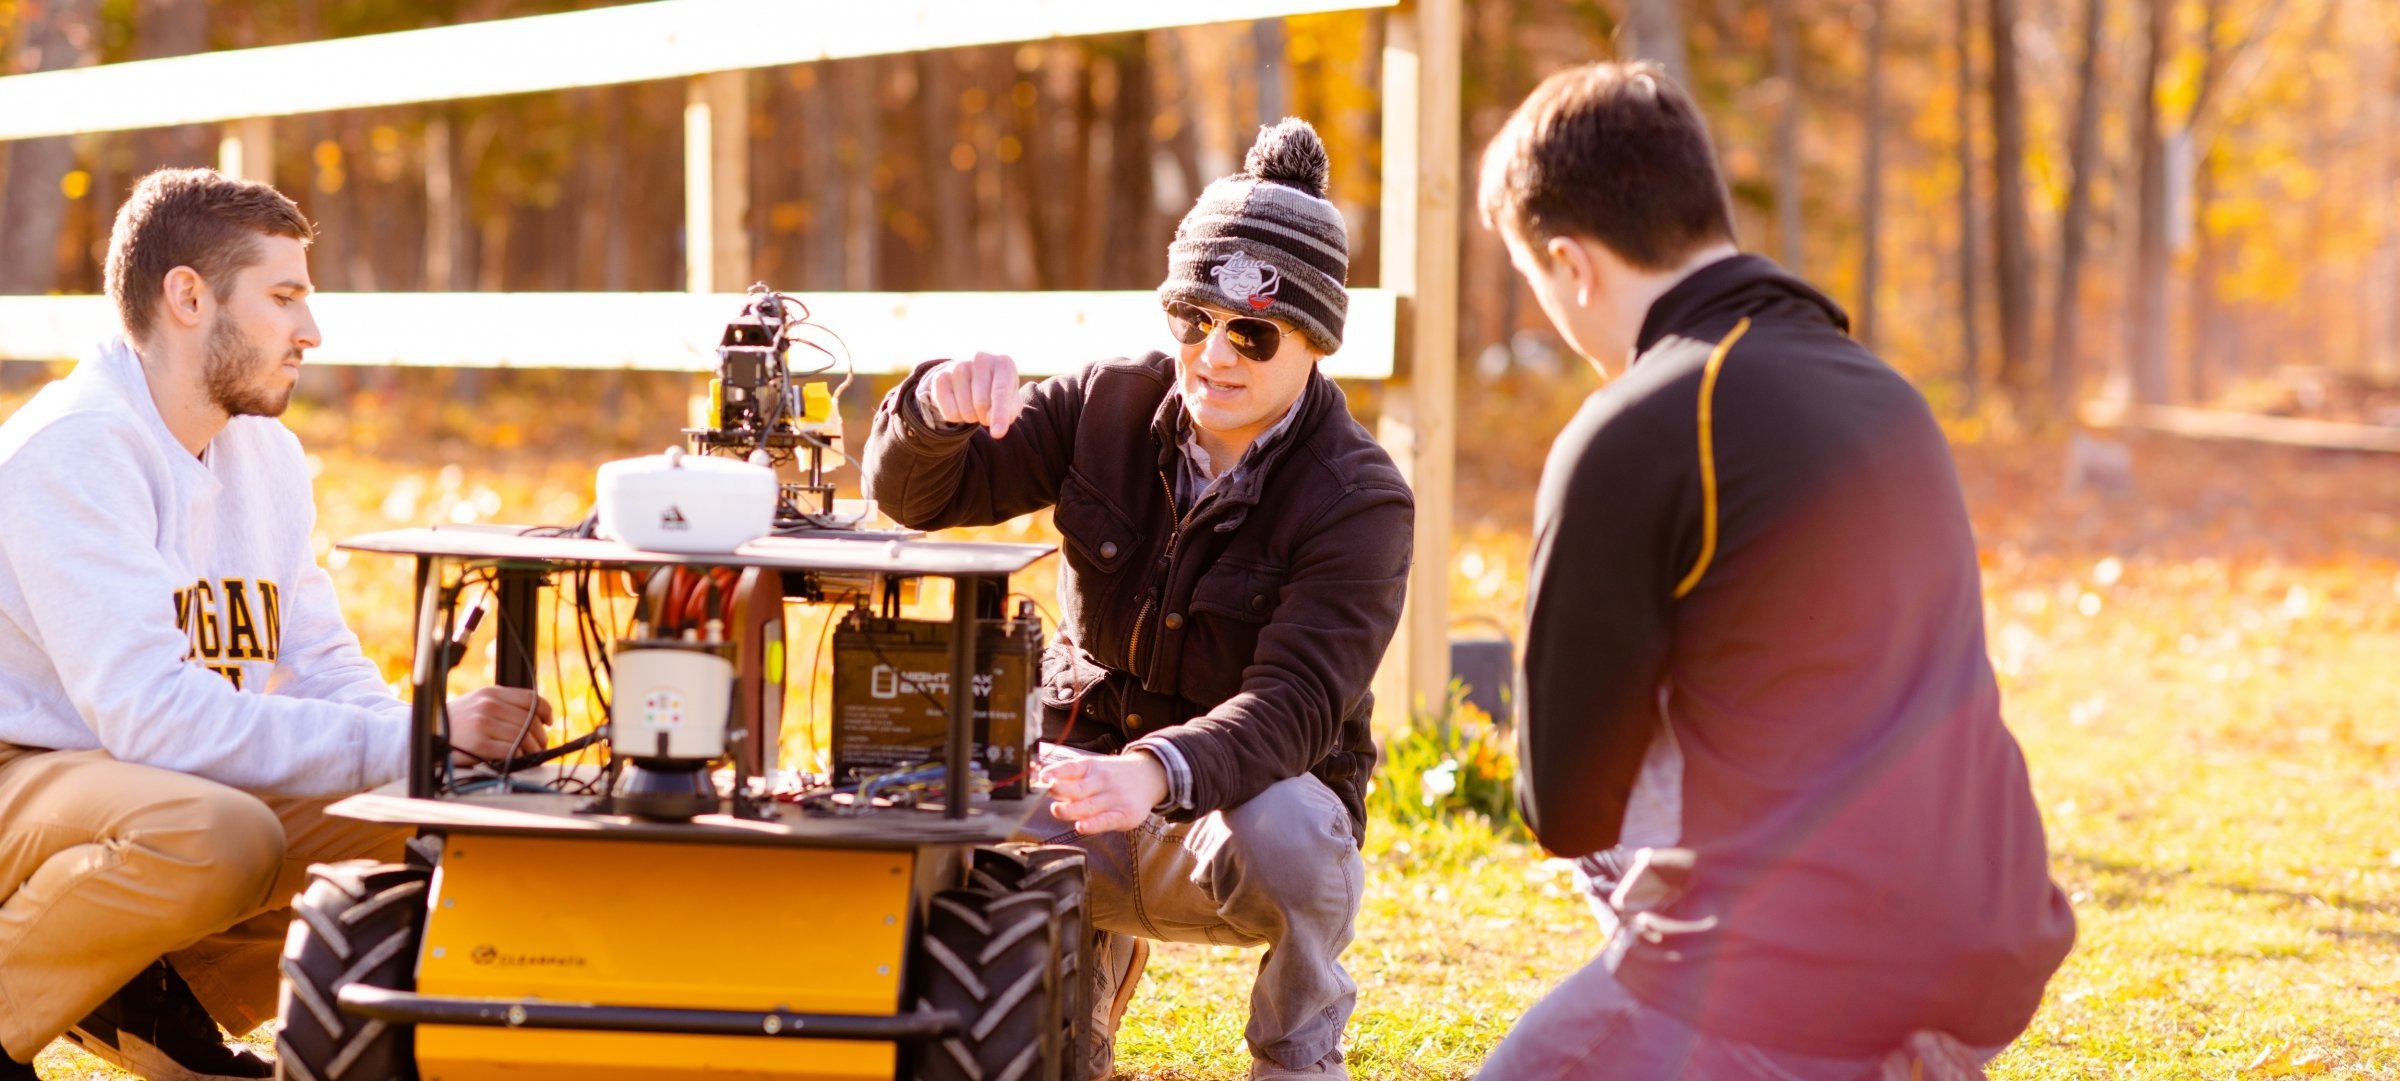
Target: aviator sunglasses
x=1256, y=339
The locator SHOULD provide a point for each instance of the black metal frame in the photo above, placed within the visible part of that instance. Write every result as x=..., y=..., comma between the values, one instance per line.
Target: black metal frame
x=410, y=1008
x=519, y=586
x=519, y=596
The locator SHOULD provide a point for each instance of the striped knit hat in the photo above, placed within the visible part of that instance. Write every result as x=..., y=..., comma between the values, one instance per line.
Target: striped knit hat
x=1265, y=241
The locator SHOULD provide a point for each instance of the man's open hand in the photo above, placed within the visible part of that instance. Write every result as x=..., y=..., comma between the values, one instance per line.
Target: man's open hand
x=1105, y=794
x=981, y=390
x=492, y=723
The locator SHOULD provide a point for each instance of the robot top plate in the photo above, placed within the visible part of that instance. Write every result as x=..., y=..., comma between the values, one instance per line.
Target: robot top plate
x=555, y=814
x=880, y=554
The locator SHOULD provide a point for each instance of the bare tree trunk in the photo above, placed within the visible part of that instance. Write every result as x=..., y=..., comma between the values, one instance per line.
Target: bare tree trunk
x=1654, y=31
x=1182, y=136
x=2203, y=355
x=1051, y=154
x=613, y=256
x=600, y=174
x=357, y=173
x=1787, y=135
x=2010, y=240
x=1970, y=225
x=2381, y=305
x=1870, y=218
x=1366, y=242
x=860, y=147
x=996, y=261
x=1098, y=91
x=494, y=220
x=775, y=161
x=1024, y=180
x=1274, y=88
x=396, y=231
x=318, y=185
x=2317, y=301
x=2066, y=313
x=33, y=210
x=822, y=175
x=1030, y=118
x=163, y=28
x=444, y=220
x=2146, y=331
x=1136, y=255
x=950, y=189
x=2320, y=340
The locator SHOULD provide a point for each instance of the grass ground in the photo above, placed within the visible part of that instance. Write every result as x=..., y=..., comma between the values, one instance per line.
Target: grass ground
x=2201, y=671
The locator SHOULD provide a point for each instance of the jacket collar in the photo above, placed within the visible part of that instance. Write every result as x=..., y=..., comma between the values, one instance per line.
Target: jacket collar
x=1735, y=283
x=1166, y=430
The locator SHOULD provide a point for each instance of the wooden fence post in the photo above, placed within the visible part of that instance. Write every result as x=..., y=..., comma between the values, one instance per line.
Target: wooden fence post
x=246, y=149
x=1420, y=264
x=716, y=183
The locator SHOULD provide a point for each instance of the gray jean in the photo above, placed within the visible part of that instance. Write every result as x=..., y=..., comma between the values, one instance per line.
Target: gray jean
x=1590, y=1028
x=1279, y=871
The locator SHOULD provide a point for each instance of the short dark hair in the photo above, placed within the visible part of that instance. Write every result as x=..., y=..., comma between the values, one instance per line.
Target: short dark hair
x=1615, y=153
x=198, y=218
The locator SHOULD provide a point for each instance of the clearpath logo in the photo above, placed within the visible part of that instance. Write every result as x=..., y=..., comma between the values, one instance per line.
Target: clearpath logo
x=488, y=954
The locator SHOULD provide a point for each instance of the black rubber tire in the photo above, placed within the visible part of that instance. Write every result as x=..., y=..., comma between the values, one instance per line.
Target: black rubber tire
x=358, y=922
x=1058, y=870
x=993, y=958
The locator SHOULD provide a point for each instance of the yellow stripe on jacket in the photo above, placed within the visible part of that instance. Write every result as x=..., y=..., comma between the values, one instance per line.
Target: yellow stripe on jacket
x=1708, y=460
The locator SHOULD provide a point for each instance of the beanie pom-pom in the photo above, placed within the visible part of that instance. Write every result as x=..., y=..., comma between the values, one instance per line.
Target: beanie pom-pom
x=1289, y=152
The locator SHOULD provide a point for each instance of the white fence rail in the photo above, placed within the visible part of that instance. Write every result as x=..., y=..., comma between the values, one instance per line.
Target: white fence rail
x=703, y=40
x=1045, y=332
x=666, y=39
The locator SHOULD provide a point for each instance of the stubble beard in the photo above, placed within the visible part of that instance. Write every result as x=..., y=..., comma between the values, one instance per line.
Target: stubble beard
x=232, y=376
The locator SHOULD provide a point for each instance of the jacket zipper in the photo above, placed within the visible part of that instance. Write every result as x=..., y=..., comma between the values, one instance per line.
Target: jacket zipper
x=1133, y=648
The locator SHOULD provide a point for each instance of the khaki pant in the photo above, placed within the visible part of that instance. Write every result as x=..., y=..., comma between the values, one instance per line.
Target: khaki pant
x=107, y=866
x=1280, y=871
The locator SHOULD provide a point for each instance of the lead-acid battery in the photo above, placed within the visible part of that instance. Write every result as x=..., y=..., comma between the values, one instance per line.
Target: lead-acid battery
x=891, y=696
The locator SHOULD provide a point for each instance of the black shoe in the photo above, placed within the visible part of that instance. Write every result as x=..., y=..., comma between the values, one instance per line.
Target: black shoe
x=155, y=1029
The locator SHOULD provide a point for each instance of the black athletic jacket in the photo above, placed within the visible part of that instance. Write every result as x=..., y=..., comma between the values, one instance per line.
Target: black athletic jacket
x=1762, y=520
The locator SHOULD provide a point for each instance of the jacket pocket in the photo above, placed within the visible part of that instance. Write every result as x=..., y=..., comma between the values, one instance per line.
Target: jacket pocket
x=1231, y=605
x=1078, y=705
x=1239, y=590
x=1099, y=535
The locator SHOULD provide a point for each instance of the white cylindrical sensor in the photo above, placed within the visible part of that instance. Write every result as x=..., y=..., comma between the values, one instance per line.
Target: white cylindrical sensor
x=670, y=704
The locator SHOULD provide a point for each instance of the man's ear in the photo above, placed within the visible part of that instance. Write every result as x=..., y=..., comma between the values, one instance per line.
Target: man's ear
x=1582, y=265
x=184, y=297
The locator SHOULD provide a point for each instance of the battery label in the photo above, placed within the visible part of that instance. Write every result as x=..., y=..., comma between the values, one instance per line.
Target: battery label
x=891, y=702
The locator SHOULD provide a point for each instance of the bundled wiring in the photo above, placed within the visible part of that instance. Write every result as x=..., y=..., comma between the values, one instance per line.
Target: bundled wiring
x=596, y=665
x=908, y=787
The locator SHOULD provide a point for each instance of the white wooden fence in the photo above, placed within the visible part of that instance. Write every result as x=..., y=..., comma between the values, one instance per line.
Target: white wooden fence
x=1402, y=334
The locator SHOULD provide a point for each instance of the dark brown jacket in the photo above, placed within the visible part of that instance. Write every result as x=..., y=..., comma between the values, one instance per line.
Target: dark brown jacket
x=1245, y=630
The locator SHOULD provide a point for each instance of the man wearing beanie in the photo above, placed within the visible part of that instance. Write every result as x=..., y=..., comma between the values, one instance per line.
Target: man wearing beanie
x=1236, y=551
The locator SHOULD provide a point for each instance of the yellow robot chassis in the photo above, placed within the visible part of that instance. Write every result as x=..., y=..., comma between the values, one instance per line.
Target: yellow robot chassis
x=656, y=906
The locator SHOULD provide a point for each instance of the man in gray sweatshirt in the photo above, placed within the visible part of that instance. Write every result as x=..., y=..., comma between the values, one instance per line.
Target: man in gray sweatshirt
x=179, y=697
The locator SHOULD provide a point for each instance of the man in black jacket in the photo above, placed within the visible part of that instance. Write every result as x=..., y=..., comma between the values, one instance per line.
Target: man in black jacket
x=1758, y=703
x=1236, y=550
